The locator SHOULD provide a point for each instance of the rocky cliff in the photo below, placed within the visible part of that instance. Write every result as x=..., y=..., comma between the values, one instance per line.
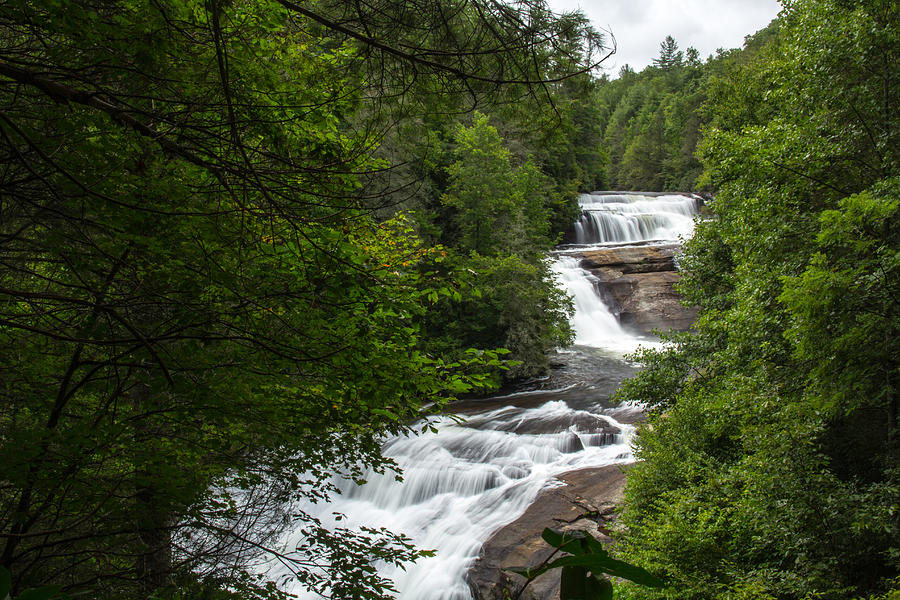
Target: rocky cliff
x=637, y=283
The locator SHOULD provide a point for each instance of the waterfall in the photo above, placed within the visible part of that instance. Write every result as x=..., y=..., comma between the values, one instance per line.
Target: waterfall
x=626, y=218
x=468, y=479
x=593, y=322
x=464, y=480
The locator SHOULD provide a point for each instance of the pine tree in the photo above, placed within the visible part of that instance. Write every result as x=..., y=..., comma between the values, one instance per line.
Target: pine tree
x=669, y=55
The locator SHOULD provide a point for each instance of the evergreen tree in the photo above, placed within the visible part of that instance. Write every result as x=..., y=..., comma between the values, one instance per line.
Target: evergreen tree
x=670, y=57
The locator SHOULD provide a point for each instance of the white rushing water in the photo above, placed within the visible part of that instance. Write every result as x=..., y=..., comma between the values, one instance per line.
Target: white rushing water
x=628, y=218
x=593, y=322
x=466, y=480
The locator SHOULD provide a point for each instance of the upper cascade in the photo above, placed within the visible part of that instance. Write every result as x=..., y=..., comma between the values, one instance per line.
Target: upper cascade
x=626, y=217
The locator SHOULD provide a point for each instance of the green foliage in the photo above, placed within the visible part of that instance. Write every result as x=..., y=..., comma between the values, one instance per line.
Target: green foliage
x=769, y=469
x=201, y=320
x=653, y=121
x=893, y=594
x=503, y=183
x=499, y=207
x=670, y=57
x=556, y=129
x=514, y=306
x=584, y=570
x=847, y=290
x=498, y=234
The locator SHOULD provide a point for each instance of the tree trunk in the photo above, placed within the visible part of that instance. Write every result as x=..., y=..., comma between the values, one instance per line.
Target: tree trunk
x=153, y=559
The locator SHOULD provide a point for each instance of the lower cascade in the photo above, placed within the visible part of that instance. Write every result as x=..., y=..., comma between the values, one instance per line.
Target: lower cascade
x=467, y=478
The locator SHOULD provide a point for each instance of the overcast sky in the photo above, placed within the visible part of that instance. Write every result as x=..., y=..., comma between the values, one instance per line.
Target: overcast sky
x=640, y=25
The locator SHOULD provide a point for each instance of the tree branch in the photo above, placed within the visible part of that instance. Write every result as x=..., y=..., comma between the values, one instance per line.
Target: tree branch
x=66, y=94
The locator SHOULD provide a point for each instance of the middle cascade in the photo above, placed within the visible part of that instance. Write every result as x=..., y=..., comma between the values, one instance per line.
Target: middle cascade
x=593, y=322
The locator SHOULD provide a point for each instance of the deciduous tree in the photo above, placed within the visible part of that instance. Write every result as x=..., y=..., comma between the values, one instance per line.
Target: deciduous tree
x=199, y=319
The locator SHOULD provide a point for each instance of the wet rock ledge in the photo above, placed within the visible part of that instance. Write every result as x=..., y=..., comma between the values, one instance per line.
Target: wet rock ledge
x=637, y=283
x=586, y=501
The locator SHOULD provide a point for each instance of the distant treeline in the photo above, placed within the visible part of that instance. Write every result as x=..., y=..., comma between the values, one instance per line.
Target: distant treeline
x=652, y=122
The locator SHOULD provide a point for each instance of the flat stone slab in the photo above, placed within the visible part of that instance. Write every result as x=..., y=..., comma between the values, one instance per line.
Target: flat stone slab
x=630, y=259
x=585, y=501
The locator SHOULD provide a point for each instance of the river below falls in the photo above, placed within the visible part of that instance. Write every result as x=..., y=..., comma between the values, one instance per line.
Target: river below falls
x=469, y=478
x=481, y=469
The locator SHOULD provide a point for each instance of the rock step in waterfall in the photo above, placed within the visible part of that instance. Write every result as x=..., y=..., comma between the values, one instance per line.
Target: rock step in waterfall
x=468, y=481
x=624, y=259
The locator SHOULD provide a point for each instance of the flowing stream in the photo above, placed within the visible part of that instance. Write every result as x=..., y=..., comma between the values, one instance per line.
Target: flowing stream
x=469, y=478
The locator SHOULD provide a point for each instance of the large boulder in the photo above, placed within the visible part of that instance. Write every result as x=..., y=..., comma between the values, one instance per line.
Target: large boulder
x=585, y=501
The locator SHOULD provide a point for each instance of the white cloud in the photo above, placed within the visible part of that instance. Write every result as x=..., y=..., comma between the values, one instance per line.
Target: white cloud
x=640, y=25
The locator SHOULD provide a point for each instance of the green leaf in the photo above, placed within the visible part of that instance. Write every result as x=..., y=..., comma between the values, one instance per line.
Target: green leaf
x=610, y=566
x=586, y=552
x=45, y=592
x=573, y=542
x=5, y=583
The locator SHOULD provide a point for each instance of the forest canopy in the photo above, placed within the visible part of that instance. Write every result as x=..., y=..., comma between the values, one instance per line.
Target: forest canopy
x=210, y=298
x=769, y=468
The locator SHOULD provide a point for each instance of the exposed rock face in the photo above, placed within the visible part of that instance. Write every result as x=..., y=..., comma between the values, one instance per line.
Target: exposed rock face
x=637, y=282
x=630, y=259
x=586, y=502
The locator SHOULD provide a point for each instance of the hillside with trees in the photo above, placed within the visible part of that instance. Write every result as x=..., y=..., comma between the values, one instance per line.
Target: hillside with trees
x=652, y=122
x=210, y=298
x=770, y=462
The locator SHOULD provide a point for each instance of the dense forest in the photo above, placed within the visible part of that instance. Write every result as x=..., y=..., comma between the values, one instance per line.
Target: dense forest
x=242, y=241
x=652, y=122
x=770, y=462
